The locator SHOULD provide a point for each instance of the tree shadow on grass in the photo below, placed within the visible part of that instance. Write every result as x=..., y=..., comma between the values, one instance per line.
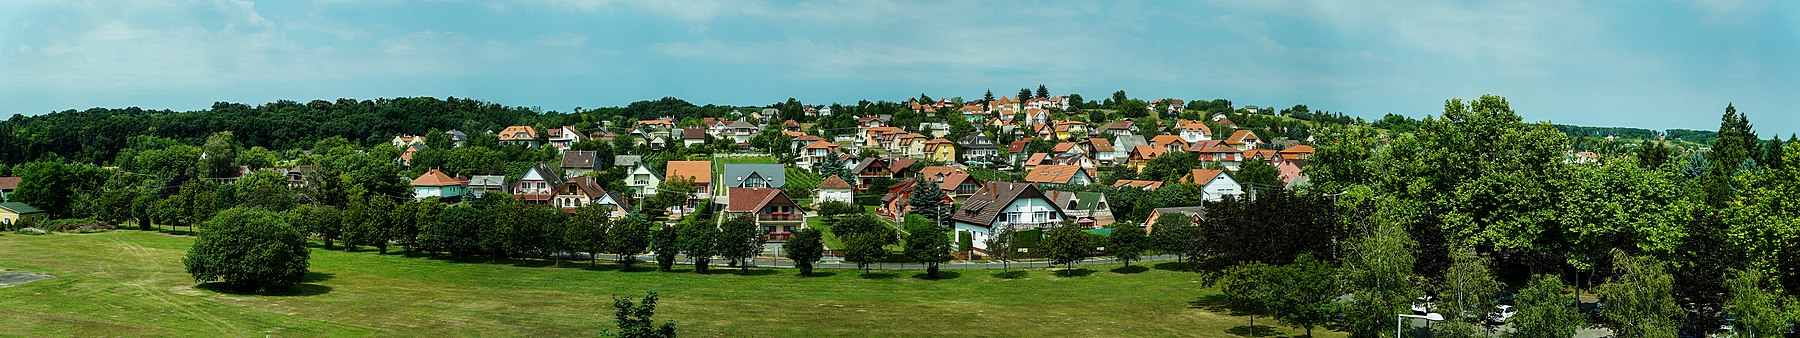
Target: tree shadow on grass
x=1216, y=303
x=1171, y=266
x=532, y=263
x=942, y=275
x=1082, y=272
x=308, y=287
x=818, y=274
x=1254, y=331
x=751, y=272
x=879, y=275
x=1131, y=269
x=1014, y=274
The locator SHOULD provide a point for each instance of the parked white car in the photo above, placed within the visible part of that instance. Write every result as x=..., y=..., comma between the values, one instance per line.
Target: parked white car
x=1502, y=314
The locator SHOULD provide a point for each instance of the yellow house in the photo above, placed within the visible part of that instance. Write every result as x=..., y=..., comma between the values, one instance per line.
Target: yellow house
x=940, y=150
x=18, y=212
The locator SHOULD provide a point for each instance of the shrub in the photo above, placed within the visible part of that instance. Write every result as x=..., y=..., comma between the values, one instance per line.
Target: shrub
x=249, y=250
x=30, y=231
x=78, y=225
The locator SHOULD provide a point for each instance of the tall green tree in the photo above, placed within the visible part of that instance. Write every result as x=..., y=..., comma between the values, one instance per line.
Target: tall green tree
x=219, y=159
x=1758, y=309
x=928, y=202
x=629, y=238
x=699, y=241
x=928, y=244
x=1639, y=298
x=587, y=231
x=666, y=245
x=740, y=240
x=1000, y=247
x=1377, y=268
x=1468, y=286
x=865, y=248
x=1303, y=293
x=1127, y=242
x=1067, y=244
x=805, y=249
x=1247, y=288
x=1544, y=311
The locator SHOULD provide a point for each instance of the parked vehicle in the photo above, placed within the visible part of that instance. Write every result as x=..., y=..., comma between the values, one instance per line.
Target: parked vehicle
x=1502, y=314
x=1424, y=305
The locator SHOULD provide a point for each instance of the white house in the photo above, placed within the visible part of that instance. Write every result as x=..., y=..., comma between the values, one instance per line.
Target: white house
x=834, y=188
x=642, y=181
x=1019, y=206
x=1193, y=131
x=1216, y=184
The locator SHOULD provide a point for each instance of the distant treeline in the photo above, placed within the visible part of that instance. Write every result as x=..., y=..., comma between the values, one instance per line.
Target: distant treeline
x=1696, y=136
x=96, y=135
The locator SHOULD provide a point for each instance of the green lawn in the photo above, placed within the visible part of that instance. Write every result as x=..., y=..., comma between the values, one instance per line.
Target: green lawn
x=131, y=283
x=722, y=160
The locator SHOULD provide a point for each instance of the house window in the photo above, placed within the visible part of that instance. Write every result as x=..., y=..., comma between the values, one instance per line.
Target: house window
x=1071, y=205
x=769, y=229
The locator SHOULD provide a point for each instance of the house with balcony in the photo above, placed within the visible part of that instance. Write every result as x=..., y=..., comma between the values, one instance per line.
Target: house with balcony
x=525, y=136
x=1192, y=131
x=816, y=152
x=1059, y=175
x=434, y=183
x=1019, y=206
x=979, y=148
x=740, y=131
x=940, y=150
x=778, y=215
x=1101, y=150
x=752, y=176
x=537, y=185
x=1118, y=128
x=884, y=167
x=642, y=181
x=959, y=186
x=582, y=191
x=1244, y=140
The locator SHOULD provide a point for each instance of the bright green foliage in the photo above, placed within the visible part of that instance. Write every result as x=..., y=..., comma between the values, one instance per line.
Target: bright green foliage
x=61, y=189
x=248, y=250
x=1639, y=299
x=1599, y=203
x=1127, y=242
x=265, y=190
x=1758, y=311
x=806, y=248
x=1174, y=234
x=1067, y=244
x=1259, y=174
x=928, y=244
x=219, y=159
x=628, y=238
x=458, y=230
x=1544, y=311
x=635, y=321
x=1376, y=268
x=1171, y=166
x=322, y=221
x=1248, y=288
x=1468, y=286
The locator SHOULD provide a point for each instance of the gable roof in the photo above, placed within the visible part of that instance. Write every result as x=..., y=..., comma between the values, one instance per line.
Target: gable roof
x=1083, y=200
x=1128, y=142
x=693, y=134
x=1298, y=149
x=1204, y=177
x=1150, y=152
x=1100, y=144
x=487, y=181
x=753, y=199
x=518, y=133
x=774, y=174
x=542, y=174
x=936, y=172
x=19, y=208
x=435, y=178
x=821, y=144
x=953, y=180
x=627, y=160
x=579, y=159
x=1146, y=185
x=1166, y=140
x=10, y=183
x=1193, y=125
x=1057, y=174
x=1241, y=137
x=581, y=186
x=834, y=182
x=986, y=205
x=699, y=171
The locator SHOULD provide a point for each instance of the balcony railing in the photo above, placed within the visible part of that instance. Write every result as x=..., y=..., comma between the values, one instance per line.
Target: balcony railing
x=780, y=236
x=640, y=182
x=780, y=218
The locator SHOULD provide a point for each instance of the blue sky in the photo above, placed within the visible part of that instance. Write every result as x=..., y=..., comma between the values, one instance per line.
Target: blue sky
x=1652, y=64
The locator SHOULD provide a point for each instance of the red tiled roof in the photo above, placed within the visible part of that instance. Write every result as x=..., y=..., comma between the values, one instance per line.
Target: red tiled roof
x=753, y=199
x=700, y=171
x=1058, y=174
x=435, y=178
x=10, y=183
x=1146, y=185
x=1204, y=176
x=834, y=182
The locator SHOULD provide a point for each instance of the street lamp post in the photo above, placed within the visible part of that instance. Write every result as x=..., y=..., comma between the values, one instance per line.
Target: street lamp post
x=1401, y=320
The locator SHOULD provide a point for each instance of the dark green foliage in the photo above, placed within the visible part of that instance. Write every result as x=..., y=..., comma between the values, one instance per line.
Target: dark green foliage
x=458, y=230
x=1274, y=229
x=666, y=245
x=1127, y=242
x=317, y=220
x=587, y=231
x=58, y=188
x=1735, y=146
x=634, y=320
x=865, y=248
x=248, y=250
x=1067, y=244
x=928, y=244
x=805, y=249
x=1638, y=298
x=928, y=202
x=628, y=238
x=1258, y=174
x=265, y=190
x=1175, y=234
x=1305, y=292
x=1544, y=311
x=699, y=240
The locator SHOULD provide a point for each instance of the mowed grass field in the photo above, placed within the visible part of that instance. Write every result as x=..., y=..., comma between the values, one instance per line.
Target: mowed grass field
x=132, y=283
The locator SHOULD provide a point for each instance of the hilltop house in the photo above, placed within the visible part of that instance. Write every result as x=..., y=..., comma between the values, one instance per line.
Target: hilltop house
x=520, y=136
x=480, y=185
x=1059, y=175
x=1089, y=208
x=1003, y=204
x=1193, y=131
x=979, y=148
x=564, y=137
x=1243, y=140
x=579, y=162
